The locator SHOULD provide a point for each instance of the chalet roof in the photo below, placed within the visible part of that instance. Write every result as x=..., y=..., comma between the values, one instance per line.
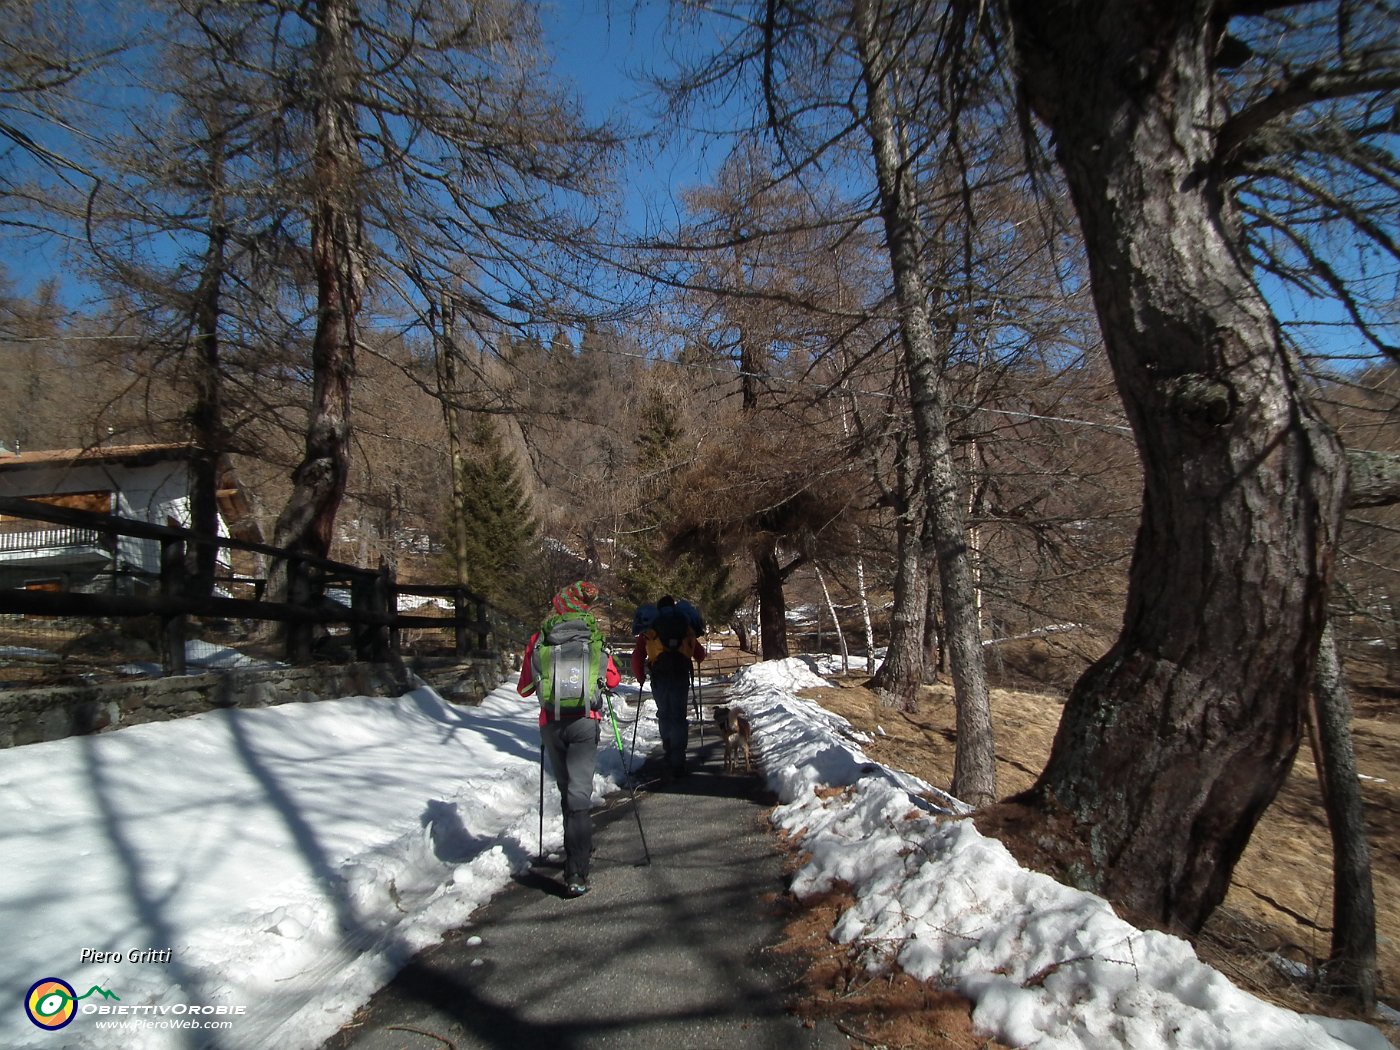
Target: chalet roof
x=233, y=505
x=126, y=455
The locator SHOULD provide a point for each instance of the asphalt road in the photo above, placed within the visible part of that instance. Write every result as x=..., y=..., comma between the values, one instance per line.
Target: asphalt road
x=668, y=953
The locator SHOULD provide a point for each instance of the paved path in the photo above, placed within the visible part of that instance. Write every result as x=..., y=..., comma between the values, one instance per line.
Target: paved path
x=672, y=954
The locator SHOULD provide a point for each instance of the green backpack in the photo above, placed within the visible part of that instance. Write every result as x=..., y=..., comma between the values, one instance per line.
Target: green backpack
x=569, y=663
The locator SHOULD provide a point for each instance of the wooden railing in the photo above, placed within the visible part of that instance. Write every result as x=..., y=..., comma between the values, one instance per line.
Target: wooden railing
x=175, y=594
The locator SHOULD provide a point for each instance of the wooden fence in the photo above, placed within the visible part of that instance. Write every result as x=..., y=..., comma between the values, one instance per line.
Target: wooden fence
x=173, y=594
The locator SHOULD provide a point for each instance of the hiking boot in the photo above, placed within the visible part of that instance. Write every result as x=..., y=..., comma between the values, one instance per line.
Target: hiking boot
x=576, y=885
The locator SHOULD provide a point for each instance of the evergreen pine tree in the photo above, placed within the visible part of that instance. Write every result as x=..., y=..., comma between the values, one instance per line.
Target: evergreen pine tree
x=500, y=524
x=656, y=565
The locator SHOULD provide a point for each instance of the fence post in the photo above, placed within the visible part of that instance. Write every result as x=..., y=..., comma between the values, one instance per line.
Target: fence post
x=298, y=596
x=362, y=606
x=172, y=624
x=369, y=601
x=459, y=601
x=481, y=621
x=391, y=587
x=386, y=603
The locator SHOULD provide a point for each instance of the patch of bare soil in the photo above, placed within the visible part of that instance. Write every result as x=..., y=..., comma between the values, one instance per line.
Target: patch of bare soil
x=1279, y=903
x=892, y=1010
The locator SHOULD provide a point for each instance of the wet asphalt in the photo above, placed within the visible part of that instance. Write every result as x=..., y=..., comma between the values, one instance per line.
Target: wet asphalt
x=671, y=949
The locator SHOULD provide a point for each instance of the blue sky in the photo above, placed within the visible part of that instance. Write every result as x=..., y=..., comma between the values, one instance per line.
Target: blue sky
x=602, y=46
x=599, y=45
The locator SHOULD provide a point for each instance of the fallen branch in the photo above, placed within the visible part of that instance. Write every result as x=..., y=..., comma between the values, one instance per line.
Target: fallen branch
x=419, y=1031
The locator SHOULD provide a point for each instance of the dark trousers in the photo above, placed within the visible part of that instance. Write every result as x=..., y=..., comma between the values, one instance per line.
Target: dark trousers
x=670, y=685
x=572, y=746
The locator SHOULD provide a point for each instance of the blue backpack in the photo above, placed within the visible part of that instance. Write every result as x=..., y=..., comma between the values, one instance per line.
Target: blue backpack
x=645, y=617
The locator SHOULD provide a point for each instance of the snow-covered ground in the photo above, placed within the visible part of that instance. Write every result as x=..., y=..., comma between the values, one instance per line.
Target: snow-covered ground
x=1047, y=966
x=260, y=873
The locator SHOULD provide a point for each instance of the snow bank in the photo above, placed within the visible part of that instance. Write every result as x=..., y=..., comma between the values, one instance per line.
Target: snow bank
x=1047, y=966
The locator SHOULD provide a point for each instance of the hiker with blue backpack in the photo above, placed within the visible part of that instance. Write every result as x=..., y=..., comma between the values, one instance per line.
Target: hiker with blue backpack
x=568, y=667
x=668, y=645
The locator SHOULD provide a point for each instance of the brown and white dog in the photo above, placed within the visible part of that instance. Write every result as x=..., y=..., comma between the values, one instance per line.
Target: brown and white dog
x=735, y=729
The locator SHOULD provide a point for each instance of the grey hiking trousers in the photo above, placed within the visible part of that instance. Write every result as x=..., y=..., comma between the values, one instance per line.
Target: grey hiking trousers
x=572, y=746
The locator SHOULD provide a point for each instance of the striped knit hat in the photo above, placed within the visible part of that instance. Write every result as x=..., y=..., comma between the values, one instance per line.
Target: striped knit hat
x=576, y=597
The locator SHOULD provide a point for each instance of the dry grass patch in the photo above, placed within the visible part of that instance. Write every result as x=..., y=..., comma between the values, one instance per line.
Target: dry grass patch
x=893, y=1011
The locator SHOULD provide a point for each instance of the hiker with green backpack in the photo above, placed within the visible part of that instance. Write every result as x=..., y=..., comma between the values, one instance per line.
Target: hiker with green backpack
x=568, y=667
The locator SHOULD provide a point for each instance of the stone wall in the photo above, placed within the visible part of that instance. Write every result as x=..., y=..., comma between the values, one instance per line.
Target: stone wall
x=468, y=682
x=28, y=716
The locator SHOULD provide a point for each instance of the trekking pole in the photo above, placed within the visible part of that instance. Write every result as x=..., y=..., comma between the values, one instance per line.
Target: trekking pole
x=699, y=702
x=635, y=723
x=617, y=733
x=617, y=738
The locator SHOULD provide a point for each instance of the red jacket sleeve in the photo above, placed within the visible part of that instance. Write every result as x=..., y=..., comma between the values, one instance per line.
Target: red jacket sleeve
x=697, y=649
x=639, y=659
x=612, y=676
x=526, y=685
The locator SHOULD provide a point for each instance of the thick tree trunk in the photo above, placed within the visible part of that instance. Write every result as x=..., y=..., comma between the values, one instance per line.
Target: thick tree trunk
x=974, y=763
x=933, y=637
x=772, y=605
x=337, y=259
x=1351, y=968
x=741, y=634
x=1173, y=744
x=903, y=668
